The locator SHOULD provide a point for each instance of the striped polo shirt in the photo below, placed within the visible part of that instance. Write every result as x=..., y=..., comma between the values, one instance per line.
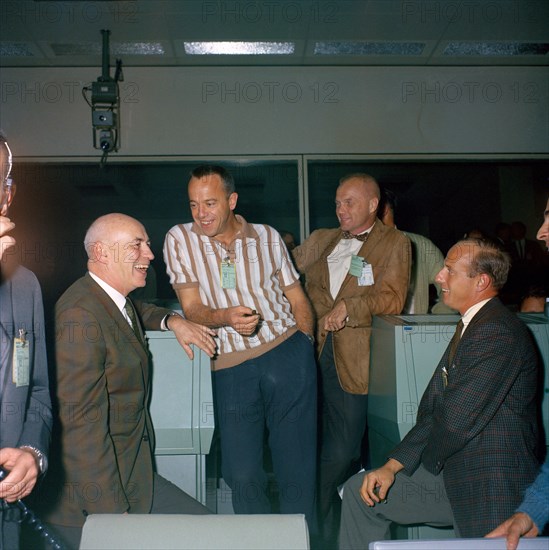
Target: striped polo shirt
x=263, y=271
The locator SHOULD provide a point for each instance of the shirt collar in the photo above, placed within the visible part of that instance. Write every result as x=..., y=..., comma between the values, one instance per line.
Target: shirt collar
x=364, y=232
x=472, y=311
x=118, y=298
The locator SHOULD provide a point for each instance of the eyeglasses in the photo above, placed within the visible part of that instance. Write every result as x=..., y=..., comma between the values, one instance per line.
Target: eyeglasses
x=7, y=187
x=7, y=192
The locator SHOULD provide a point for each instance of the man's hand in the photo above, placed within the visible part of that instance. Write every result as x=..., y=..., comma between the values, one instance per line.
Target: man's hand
x=243, y=319
x=188, y=333
x=518, y=525
x=23, y=471
x=377, y=482
x=6, y=241
x=336, y=319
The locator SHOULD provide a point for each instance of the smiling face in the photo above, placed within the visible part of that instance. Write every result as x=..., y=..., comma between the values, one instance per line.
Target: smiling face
x=120, y=253
x=211, y=207
x=356, y=204
x=543, y=233
x=459, y=290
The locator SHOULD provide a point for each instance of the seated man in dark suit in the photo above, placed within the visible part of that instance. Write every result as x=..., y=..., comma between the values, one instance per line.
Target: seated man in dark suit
x=103, y=386
x=473, y=450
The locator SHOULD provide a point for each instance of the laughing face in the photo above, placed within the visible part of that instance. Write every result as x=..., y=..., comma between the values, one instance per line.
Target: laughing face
x=211, y=207
x=125, y=255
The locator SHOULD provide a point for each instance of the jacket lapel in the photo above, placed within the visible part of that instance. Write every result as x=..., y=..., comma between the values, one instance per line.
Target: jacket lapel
x=323, y=259
x=124, y=332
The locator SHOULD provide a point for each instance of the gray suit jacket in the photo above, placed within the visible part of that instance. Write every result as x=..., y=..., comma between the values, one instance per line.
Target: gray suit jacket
x=25, y=411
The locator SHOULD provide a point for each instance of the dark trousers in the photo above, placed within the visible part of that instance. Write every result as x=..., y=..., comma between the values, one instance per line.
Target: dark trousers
x=343, y=424
x=275, y=392
x=9, y=526
x=167, y=499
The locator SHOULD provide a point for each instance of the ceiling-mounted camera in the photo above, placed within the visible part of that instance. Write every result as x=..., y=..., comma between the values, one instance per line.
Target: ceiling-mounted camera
x=104, y=100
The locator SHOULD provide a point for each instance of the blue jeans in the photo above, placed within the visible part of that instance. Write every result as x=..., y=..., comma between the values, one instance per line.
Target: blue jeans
x=275, y=391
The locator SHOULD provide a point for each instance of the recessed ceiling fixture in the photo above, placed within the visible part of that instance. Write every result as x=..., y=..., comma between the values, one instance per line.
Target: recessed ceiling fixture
x=368, y=48
x=118, y=48
x=496, y=48
x=239, y=48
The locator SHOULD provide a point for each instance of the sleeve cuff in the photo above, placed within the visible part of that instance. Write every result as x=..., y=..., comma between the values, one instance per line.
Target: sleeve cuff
x=164, y=323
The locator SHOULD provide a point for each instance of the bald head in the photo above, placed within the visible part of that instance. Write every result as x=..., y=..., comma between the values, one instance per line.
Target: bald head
x=105, y=229
x=357, y=199
x=118, y=251
x=368, y=184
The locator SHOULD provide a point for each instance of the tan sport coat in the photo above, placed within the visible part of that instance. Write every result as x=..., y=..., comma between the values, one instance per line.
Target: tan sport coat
x=388, y=251
x=105, y=460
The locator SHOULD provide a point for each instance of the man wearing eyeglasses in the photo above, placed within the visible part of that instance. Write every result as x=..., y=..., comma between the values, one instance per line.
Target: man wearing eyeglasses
x=25, y=408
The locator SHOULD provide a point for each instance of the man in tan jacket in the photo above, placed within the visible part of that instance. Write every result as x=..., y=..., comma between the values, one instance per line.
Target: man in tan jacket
x=352, y=273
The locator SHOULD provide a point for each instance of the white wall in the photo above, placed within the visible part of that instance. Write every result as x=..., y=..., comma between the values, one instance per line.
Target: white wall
x=281, y=110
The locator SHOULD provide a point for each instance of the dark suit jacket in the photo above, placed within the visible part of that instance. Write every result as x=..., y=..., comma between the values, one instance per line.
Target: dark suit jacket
x=103, y=383
x=25, y=411
x=388, y=251
x=481, y=430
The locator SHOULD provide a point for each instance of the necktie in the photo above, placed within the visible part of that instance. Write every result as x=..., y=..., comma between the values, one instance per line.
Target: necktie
x=128, y=307
x=455, y=341
x=349, y=235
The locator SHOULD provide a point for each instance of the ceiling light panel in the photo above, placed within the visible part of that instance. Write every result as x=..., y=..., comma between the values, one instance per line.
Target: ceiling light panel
x=368, y=48
x=16, y=49
x=239, y=48
x=496, y=48
x=117, y=48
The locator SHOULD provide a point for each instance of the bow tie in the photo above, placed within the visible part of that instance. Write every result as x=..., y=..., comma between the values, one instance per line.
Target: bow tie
x=349, y=235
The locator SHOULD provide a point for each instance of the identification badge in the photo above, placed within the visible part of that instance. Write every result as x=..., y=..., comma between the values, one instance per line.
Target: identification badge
x=21, y=361
x=355, y=269
x=228, y=274
x=367, y=275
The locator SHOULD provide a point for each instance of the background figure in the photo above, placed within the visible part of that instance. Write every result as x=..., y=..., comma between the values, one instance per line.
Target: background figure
x=476, y=436
x=104, y=460
x=526, y=251
x=474, y=233
x=238, y=277
x=25, y=406
x=289, y=239
x=534, y=299
x=352, y=273
x=427, y=261
x=502, y=234
x=529, y=264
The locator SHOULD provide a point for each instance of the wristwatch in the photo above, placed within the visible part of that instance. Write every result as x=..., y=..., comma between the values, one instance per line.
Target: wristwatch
x=39, y=455
x=173, y=314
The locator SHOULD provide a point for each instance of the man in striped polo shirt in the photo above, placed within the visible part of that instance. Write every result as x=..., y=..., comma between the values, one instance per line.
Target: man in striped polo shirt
x=237, y=277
